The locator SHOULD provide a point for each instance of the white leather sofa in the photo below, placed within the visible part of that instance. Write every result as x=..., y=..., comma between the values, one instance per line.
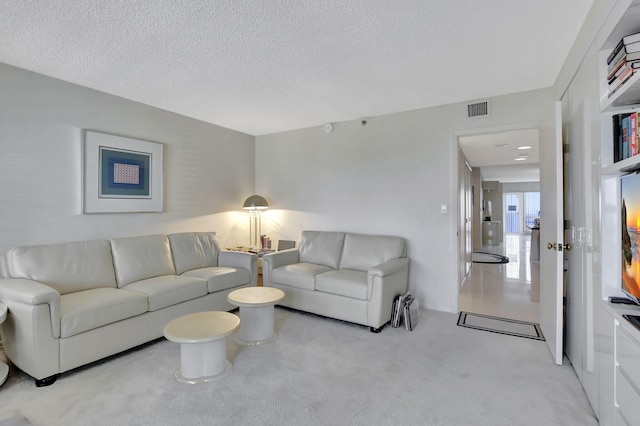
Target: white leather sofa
x=351, y=277
x=74, y=303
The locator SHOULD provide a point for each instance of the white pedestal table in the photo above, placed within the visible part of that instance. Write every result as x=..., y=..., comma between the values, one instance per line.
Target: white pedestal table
x=256, y=313
x=203, y=344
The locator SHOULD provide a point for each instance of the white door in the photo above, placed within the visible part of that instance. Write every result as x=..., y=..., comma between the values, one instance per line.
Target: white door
x=551, y=235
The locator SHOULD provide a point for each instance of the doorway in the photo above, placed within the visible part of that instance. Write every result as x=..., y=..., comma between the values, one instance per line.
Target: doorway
x=504, y=290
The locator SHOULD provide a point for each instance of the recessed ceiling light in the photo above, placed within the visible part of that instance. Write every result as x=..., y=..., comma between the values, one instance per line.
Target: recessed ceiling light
x=520, y=158
x=524, y=147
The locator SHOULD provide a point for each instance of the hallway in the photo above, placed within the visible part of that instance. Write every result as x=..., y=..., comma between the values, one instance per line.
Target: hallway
x=510, y=290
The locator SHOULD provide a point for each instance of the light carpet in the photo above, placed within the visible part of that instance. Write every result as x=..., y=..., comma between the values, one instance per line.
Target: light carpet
x=320, y=372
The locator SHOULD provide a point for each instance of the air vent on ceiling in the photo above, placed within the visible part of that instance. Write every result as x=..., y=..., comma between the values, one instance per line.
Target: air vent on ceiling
x=478, y=109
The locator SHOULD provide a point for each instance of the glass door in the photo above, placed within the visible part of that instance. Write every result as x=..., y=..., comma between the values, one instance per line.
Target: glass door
x=521, y=210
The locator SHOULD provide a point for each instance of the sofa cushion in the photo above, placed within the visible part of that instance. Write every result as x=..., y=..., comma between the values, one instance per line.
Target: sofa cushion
x=85, y=310
x=322, y=248
x=169, y=290
x=67, y=267
x=361, y=252
x=299, y=275
x=345, y=282
x=194, y=250
x=139, y=258
x=221, y=278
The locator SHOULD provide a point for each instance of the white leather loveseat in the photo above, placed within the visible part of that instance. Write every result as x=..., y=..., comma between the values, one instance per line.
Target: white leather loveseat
x=351, y=277
x=74, y=303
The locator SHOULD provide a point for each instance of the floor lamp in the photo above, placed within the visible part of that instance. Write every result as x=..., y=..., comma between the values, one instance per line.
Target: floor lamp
x=255, y=205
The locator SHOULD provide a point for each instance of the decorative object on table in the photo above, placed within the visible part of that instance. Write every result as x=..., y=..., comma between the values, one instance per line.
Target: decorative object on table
x=286, y=244
x=121, y=174
x=255, y=204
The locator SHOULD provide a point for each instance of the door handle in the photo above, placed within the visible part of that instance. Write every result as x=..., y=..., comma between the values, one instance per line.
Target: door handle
x=558, y=246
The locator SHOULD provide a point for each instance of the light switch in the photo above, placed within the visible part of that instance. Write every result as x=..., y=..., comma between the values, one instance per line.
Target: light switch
x=444, y=209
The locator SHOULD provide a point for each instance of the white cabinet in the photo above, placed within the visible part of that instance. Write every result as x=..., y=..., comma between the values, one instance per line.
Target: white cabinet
x=620, y=387
x=627, y=376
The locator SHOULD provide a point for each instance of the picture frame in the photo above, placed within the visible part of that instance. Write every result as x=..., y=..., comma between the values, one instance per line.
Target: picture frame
x=121, y=174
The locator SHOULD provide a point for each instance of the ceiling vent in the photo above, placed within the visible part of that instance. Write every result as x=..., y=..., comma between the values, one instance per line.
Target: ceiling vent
x=478, y=109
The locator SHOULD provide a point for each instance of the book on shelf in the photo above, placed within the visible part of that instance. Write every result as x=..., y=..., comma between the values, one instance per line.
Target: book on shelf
x=632, y=48
x=620, y=80
x=613, y=78
x=626, y=135
x=631, y=38
x=623, y=44
x=615, y=67
x=619, y=59
x=632, y=135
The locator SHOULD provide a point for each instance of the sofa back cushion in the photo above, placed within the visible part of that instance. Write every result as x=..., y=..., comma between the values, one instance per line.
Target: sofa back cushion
x=321, y=248
x=361, y=252
x=67, y=267
x=139, y=258
x=194, y=250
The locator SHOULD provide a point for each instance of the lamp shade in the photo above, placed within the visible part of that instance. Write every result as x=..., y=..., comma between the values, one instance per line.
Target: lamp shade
x=255, y=202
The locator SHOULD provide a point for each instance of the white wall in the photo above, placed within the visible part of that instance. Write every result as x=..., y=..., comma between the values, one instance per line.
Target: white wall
x=520, y=187
x=208, y=170
x=388, y=177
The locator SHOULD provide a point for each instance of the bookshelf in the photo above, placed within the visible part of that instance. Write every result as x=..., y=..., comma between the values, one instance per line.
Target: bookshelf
x=623, y=20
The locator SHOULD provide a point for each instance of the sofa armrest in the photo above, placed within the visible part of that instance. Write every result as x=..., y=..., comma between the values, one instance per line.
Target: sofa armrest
x=280, y=258
x=275, y=260
x=240, y=259
x=384, y=282
x=31, y=332
x=32, y=293
x=389, y=268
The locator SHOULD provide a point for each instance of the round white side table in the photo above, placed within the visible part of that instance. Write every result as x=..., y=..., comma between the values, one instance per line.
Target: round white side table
x=203, y=344
x=4, y=368
x=256, y=313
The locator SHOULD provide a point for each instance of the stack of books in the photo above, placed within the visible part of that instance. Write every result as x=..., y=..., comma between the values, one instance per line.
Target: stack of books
x=623, y=61
x=626, y=135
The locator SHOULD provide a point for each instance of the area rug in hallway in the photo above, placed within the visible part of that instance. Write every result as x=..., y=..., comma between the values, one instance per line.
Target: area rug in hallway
x=484, y=257
x=507, y=326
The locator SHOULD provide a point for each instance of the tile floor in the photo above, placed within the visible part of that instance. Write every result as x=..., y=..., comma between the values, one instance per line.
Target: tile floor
x=508, y=290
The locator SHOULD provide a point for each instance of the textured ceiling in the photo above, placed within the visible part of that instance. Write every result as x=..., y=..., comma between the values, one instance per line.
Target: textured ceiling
x=268, y=66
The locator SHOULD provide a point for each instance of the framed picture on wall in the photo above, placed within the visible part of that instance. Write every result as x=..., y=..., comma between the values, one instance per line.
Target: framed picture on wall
x=121, y=175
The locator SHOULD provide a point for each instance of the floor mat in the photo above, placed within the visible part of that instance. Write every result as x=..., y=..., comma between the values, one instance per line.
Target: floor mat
x=507, y=326
x=483, y=257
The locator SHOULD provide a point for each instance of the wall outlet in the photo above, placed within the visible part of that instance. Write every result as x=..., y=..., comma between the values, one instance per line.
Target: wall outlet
x=444, y=209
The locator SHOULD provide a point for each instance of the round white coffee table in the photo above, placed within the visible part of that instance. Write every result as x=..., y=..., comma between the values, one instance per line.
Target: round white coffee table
x=4, y=368
x=203, y=344
x=256, y=313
